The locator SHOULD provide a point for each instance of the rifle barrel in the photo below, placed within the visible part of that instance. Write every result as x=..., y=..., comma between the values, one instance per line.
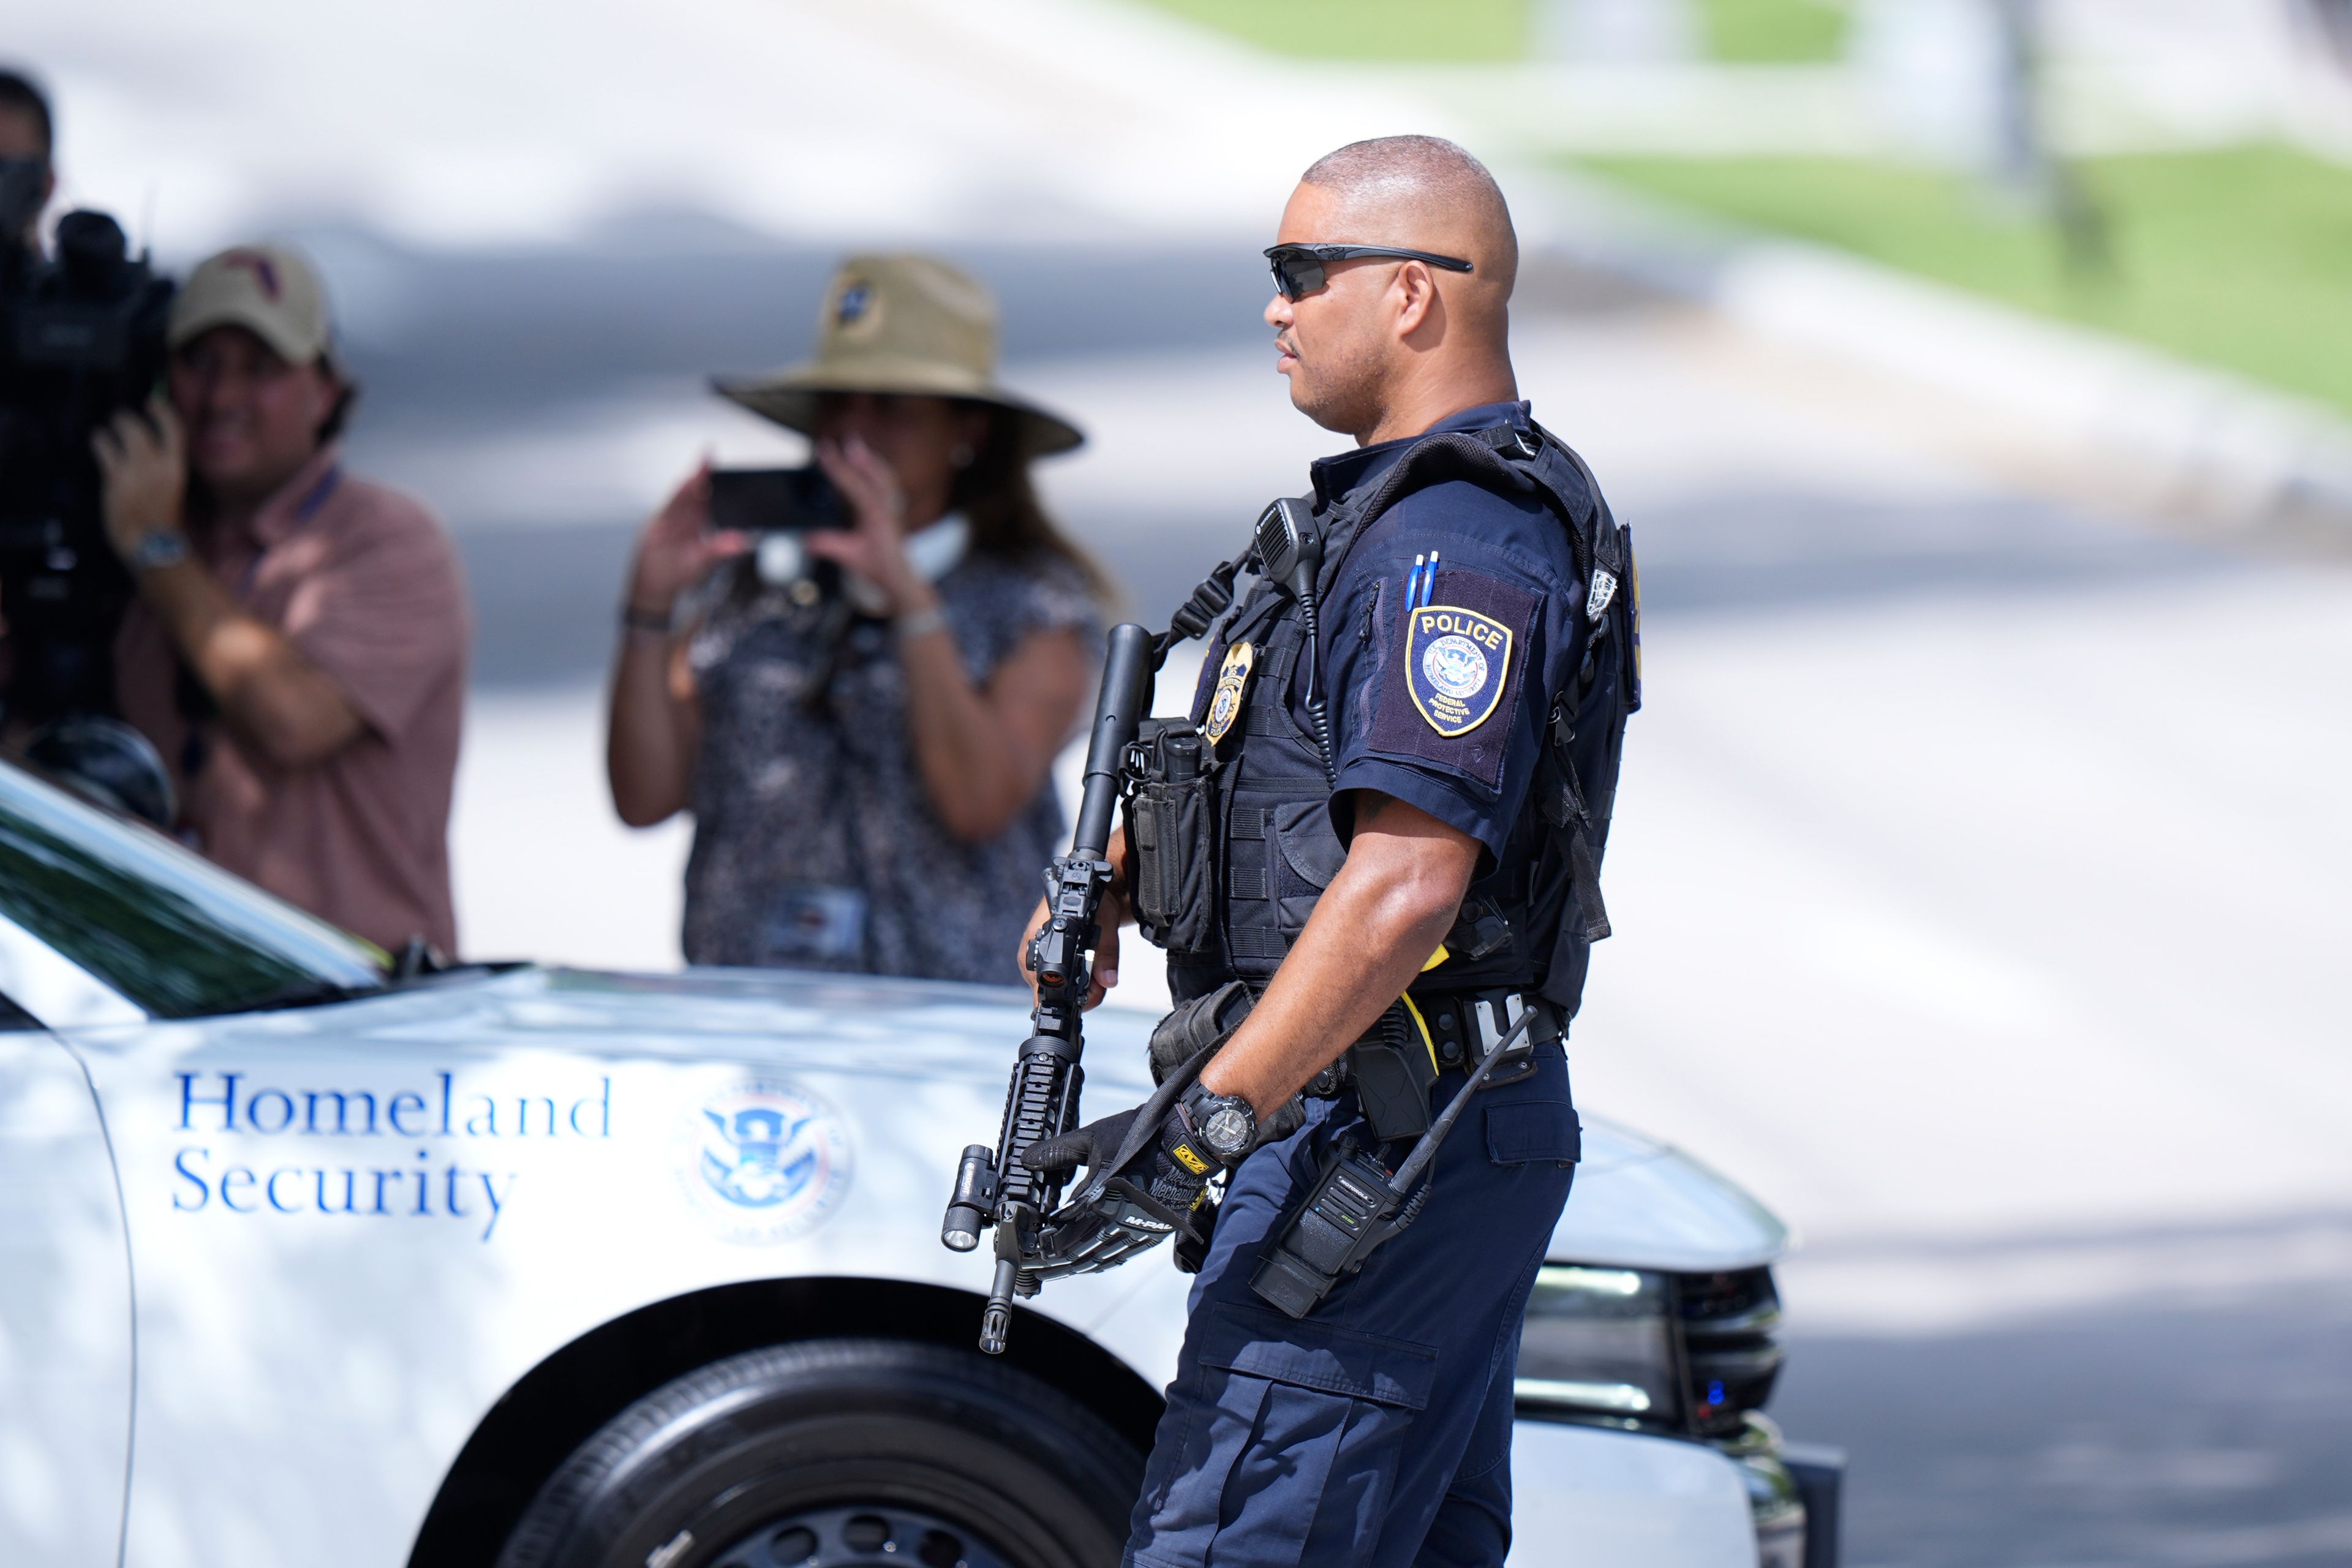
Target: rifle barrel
x=1125, y=693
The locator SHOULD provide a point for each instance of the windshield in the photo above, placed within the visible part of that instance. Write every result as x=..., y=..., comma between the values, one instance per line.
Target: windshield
x=173, y=933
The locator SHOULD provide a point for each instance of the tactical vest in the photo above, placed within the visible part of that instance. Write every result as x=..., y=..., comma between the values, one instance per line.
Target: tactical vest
x=1231, y=846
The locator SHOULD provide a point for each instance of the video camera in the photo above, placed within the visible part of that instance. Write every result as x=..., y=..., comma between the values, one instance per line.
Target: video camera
x=81, y=336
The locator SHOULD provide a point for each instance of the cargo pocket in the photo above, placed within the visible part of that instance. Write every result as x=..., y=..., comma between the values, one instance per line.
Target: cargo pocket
x=1294, y=1439
x=1533, y=1132
x=1167, y=835
x=1305, y=1353
x=1310, y=856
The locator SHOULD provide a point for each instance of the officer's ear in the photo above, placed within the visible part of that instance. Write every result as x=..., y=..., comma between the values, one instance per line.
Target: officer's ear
x=1420, y=310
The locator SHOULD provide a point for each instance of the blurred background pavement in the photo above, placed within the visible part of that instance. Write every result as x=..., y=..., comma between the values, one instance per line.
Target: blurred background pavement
x=1980, y=866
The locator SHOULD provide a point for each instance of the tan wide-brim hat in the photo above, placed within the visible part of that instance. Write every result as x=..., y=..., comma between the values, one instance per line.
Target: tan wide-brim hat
x=907, y=324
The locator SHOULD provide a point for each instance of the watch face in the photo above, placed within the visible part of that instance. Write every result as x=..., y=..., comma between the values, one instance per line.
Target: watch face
x=159, y=550
x=1229, y=1130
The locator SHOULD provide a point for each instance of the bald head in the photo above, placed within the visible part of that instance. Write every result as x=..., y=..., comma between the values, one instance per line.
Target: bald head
x=1385, y=346
x=1426, y=193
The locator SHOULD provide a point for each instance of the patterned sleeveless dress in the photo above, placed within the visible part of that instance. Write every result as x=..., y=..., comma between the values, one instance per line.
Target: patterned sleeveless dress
x=815, y=845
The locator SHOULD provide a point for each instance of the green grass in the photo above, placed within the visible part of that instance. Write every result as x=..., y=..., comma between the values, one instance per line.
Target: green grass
x=1447, y=30
x=1458, y=31
x=1775, y=32
x=2241, y=258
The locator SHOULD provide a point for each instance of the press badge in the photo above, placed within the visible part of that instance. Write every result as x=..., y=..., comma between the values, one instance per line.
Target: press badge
x=1226, y=702
x=813, y=921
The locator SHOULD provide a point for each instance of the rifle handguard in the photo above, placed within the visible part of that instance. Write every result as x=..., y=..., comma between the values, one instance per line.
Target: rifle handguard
x=995, y=1187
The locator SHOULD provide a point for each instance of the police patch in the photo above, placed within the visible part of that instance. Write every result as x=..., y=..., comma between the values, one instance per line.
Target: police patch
x=1456, y=661
x=1233, y=679
x=1451, y=670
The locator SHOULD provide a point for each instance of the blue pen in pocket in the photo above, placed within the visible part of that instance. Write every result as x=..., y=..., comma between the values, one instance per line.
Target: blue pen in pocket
x=1429, y=580
x=1412, y=582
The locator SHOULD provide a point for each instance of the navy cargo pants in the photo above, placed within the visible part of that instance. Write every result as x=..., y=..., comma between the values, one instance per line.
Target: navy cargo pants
x=1378, y=1429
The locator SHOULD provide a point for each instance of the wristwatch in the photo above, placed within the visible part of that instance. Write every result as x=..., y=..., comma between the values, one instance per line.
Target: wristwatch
x=164, y=547
x=1225, y=1121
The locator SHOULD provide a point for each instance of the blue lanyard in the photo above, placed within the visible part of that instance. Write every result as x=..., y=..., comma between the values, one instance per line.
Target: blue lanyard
x=304, y=511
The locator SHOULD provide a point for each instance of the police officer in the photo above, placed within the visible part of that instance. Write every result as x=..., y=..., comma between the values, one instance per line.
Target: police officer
x=1410, y=752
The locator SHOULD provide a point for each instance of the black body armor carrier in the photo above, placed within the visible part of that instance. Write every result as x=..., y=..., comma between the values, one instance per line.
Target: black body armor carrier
x=1230, y=845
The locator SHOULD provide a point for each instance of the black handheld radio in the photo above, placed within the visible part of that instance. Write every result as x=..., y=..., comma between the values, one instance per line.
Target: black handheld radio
x=1357, y=1204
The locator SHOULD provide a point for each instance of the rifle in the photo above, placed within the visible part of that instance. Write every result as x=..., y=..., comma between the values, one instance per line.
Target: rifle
x=1036, y=1238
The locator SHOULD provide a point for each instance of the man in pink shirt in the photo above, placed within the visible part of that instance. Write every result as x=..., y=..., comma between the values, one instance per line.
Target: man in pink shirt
x=296, y=651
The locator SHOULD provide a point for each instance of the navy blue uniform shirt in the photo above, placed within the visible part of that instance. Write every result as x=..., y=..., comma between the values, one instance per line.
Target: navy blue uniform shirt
x=1440, y=703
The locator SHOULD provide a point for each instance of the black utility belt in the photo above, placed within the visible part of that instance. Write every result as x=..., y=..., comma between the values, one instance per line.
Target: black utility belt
x=1397, y=1063
x=1463, y=1025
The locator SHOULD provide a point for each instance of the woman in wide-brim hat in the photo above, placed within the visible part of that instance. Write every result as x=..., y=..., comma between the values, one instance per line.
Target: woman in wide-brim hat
x=867, y=765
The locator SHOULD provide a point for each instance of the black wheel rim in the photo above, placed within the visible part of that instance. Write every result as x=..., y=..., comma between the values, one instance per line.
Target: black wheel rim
x=887, y=1536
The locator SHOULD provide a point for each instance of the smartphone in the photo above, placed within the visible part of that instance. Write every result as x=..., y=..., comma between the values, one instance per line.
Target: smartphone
x=776, y=501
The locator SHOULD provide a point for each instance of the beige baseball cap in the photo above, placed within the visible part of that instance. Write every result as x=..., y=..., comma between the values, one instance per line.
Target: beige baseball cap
x=904, y=324
x=268, y=289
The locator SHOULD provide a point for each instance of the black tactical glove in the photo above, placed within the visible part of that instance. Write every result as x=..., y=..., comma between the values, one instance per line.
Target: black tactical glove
x=1173, y=1166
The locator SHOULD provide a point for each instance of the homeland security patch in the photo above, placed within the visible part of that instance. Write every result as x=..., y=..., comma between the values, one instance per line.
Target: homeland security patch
x=1454, y=663
x=1451, y=685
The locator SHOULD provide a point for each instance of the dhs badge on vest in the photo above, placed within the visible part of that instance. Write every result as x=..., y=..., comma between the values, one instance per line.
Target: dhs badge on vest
x=1226, y=702
x=1456, y=664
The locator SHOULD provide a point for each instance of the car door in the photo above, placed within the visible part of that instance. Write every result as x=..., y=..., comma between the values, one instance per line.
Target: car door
x=65, y=1284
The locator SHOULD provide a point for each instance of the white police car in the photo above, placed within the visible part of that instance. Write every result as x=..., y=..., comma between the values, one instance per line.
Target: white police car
x=515, y=1265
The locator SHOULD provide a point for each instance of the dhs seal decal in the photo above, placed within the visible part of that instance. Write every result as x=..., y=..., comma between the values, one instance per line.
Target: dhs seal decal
x=765, y=1160
x=1456, y=665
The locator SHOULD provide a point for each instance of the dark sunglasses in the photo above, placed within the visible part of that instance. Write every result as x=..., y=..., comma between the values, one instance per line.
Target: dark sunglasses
x=1301, y=269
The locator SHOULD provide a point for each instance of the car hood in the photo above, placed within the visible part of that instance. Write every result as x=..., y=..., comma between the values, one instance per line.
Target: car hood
x=1641, y=1204
x=764, y=1017
x=1637, y=1202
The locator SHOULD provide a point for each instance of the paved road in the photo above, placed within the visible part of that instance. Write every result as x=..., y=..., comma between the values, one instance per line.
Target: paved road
x=2186, y=1419
x=1977, y=864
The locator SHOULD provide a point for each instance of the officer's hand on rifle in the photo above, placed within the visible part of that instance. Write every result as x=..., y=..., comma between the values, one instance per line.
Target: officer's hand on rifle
x=1173, y=1164
x=1113, y=915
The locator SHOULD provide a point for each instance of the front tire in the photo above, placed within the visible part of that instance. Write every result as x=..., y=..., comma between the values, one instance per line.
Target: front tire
x=831, y=1453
